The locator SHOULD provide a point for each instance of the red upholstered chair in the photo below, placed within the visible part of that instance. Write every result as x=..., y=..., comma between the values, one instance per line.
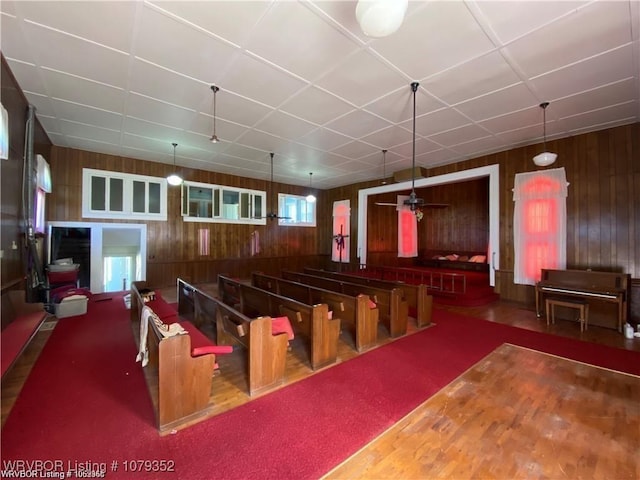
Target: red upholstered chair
x=61, y=282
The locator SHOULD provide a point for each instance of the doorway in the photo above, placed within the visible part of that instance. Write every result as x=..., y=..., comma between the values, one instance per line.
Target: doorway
x=112, y=255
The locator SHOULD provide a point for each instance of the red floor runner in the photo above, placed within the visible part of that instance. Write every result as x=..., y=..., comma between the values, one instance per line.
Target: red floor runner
x=86, y=401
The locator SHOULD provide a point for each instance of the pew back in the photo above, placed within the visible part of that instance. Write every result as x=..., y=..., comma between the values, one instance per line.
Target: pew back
x=356, y=311
x=310, y=321
x=417, y=296
x=391, y=304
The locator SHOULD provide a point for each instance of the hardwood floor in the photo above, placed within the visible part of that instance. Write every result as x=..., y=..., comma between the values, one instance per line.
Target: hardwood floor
x=563, y=419
x=230, y=387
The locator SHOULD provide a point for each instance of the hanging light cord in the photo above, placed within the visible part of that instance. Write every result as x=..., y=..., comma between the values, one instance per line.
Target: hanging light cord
x=174, y=154
x=414, y=87
x=384, y=166
x=544, y=125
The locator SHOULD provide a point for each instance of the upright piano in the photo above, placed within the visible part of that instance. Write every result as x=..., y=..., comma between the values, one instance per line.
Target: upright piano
x=588, y=285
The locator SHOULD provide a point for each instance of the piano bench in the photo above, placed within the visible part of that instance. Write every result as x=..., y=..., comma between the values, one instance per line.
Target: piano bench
x=581, y=305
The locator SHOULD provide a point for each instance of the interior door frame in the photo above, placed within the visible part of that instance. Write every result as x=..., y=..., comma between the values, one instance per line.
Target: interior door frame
x=491, y=171
x=97, y=229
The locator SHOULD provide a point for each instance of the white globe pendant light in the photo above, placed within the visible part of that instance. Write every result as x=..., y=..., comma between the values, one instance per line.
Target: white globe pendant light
x=380, y=18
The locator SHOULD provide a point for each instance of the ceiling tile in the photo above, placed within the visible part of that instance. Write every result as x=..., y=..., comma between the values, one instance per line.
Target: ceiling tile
x=437, y=36
x=362, y=78
x=316, y=105
x=451, y=138
x=564, y=42
x=284, y=125
x=71, y=53
x=230, y=20
x=357, y=123
x=515, y=97
x=84, y=92
x=324, y=139
x=305, y=32
x=602, y=97
x=508, y=20
x=147, y=108
x=589, y=74
x=180, y=47
x=105, y=23
x=260, y=81
x=472, y=79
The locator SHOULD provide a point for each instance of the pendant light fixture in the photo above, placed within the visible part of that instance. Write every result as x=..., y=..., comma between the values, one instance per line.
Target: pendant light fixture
x=311, y=197
x=384, y=167
x=380, y=18
x=413, y=201
x=214, y=137
x=174, y=179
x=545, y=158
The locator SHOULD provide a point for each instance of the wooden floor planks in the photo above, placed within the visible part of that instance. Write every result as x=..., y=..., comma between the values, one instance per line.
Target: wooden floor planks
x=518, y=413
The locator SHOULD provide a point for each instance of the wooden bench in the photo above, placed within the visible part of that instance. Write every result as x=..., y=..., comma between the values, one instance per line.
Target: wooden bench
x=582, y=306
x=182, y=365
x=21, y=321
x=310, y=321
x=358, y=311
x=394, y=311
x=266, y=350
x=417, y=297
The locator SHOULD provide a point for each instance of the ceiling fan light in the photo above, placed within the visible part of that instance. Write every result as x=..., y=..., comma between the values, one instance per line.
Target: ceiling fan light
x=380, y=18
x=545, y=159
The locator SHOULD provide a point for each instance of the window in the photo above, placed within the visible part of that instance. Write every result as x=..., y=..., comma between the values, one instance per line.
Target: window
x=122, y=195
x=539, y=224
x=202, y=202
x=43, y=186
x=295, y=210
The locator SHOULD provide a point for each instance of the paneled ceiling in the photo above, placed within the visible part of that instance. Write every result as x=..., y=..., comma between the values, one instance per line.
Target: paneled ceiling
x=300, y=79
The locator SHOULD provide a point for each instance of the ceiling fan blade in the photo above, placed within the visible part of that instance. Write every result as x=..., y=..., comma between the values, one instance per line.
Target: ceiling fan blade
x=387, y=204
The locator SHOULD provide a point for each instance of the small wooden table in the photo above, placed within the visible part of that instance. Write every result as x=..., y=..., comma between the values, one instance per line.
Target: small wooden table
x=581, y=305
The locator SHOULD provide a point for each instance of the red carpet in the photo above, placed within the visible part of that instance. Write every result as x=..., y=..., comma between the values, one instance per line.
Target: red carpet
x=86, y=400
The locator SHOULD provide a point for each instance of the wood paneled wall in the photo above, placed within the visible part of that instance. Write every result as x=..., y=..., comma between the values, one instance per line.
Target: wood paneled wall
x=172, y=246
x=603, y=207
x=462, y=226
x=12, y=266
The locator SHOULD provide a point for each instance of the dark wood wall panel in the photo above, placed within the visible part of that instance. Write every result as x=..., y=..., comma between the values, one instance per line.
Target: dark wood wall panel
x=12, y=266
x=172, y=246
x=603, y=205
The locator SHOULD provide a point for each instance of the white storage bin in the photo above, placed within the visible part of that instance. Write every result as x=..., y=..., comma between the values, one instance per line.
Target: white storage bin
x=71, y=307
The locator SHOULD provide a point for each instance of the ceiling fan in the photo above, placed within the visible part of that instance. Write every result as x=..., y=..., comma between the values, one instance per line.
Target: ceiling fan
x=426, y=205
x=272, y=215
x=413, y=201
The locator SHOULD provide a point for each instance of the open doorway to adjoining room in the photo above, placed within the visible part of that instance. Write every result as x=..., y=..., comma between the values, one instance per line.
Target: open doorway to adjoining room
x=110, y=255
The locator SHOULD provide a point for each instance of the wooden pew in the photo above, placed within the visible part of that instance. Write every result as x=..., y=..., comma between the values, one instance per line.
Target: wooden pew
x=266, y=351
x=393, y=308
x=183, y=381
x=416, y=296
x=354, y=310
x=310, y=321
